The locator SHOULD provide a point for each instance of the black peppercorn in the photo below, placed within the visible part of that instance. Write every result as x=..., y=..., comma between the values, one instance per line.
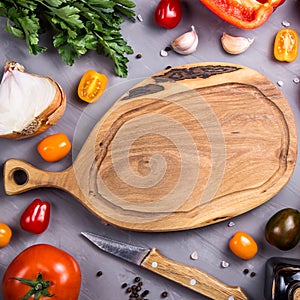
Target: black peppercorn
x=145, y=293
x=245, y=271
x=99, y=273
x=164, y=294
x=252, y=274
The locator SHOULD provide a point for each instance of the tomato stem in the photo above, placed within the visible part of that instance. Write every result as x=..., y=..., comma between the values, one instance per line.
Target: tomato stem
x=38, y=287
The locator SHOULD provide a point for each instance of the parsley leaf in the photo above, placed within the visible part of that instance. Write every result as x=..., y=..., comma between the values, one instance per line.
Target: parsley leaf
x=77, y=26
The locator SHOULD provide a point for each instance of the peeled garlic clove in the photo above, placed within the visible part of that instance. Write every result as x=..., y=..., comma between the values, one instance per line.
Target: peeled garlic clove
x=186, y=43
x=29, y=103
x=235, y=44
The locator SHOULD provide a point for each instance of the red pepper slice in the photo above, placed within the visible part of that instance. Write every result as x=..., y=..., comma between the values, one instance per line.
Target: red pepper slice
x=248, y=14
x=36, y=217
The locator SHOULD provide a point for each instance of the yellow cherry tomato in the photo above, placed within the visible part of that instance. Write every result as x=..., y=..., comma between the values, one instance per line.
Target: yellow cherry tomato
x=91, y=86
x=243, y=245
x=54, y=147
x=286, y=45
x=5, y=235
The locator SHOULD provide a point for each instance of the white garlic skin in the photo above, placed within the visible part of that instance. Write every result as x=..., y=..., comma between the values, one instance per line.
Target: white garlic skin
x=235, y=44
x=186, y=43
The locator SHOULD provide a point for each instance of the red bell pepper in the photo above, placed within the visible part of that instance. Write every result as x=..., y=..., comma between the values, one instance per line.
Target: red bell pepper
x=248, y=14
x=36, y=217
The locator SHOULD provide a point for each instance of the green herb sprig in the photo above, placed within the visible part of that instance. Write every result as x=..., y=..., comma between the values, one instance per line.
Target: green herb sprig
x=77, y=26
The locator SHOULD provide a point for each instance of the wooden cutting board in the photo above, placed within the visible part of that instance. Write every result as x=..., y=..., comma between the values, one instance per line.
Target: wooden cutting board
x=186, y=147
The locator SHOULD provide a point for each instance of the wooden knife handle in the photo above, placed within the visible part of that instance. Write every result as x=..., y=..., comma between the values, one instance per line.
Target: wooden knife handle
x=20, y=176
x=191, y=278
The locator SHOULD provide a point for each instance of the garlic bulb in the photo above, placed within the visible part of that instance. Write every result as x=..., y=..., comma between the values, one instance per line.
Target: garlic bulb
x=186, y=43
x=235, y=44
x=29, y=103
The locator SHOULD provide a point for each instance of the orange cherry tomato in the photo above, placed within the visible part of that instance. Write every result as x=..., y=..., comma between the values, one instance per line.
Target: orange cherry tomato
x=243, y=245
x=91, y=86
x=5, y=235
x=286, y=45
x=54, y=147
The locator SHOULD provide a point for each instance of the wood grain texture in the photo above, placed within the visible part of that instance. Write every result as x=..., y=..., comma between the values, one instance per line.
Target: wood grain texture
x=187, y=147
x=191, y=278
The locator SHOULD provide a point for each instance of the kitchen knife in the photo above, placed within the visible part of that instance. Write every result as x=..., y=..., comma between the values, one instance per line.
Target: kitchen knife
x=154, y=261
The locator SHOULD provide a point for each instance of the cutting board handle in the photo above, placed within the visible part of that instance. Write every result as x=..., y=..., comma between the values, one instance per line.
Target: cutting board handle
x=20, y=176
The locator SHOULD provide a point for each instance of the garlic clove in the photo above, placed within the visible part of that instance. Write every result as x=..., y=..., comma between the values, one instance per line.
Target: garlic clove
x=29, y=103
x=186, y=43
x=235, y=44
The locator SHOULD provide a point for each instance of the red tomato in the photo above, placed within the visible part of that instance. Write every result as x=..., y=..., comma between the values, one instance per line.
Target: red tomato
x=54, y=147
x=5, y=235
x=243, y=245
x=36, y=217
x=168, y=13
x=52, y=271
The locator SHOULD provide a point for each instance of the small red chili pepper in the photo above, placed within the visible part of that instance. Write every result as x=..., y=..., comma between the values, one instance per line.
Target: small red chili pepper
x=36, y=217
x=168, y=13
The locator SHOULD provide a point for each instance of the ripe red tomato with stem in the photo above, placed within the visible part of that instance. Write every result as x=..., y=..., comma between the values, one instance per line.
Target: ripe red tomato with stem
x=36, y=217
x=42, y=271
x=168, y=13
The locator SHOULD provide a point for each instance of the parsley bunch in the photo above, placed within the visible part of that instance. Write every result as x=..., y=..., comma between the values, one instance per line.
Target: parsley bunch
x=77, y=26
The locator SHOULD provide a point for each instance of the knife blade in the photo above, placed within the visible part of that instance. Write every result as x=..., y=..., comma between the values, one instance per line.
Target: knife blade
x=153, y=260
